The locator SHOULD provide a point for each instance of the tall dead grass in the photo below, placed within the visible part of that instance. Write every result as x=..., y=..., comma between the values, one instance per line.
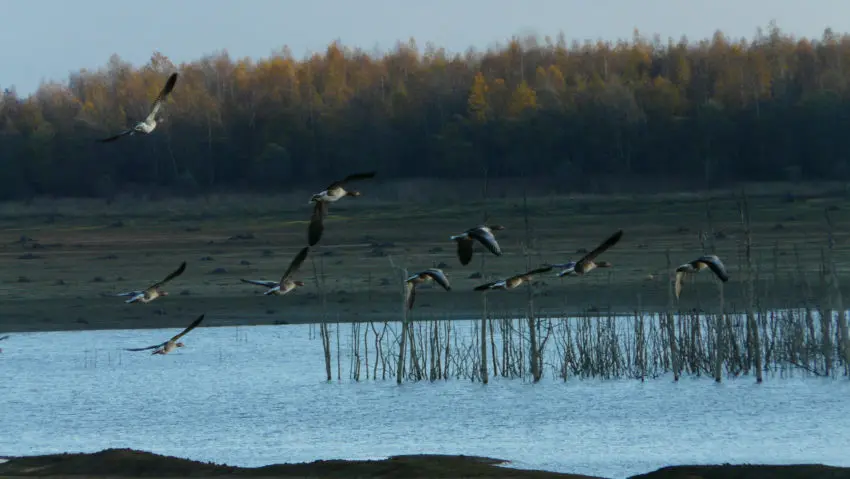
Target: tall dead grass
x=806, y=336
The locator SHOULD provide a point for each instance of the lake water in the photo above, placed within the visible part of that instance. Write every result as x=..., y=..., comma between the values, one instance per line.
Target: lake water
x=252, y=396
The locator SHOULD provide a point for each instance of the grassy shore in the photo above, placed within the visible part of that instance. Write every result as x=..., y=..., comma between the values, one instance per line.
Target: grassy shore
x=61, y=260
x=113, y=463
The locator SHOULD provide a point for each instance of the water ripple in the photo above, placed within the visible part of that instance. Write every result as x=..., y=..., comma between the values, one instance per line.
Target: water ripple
x=261, y=399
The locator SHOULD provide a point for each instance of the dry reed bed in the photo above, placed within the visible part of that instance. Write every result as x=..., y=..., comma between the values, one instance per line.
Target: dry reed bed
x=792, y=342
x=812, y=339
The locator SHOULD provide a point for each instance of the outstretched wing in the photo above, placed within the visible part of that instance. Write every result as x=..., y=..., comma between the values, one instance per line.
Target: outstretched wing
x=544, y=269
x=192, y=326
x=487, y=239
x=135, y=298
x=611, y=241
x=679, y=276
x=566, y=268
x=439, y=277
x=130, y=293
x=486, y=286
x=155, y=346
x=115, y=137
x=716, y=266
x=171, y=276
x=296, y=263
x=4, y=337
x=464, y=250
x=354, y=177
x=410, y=290
x=267, y=284
x=317, y=223
x=163, y=94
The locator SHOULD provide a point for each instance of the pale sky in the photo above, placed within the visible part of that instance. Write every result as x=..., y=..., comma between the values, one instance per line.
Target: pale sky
x=48, y=39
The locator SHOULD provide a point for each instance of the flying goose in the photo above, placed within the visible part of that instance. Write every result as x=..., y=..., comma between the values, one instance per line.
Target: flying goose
x=148, y=124
x=430, y=274
x=710, y=261
x=153, y=291
x=334, y=192
x=513, y=281
x=587, y=263
x=484, y=235
x=285, y=284
x=168, y=346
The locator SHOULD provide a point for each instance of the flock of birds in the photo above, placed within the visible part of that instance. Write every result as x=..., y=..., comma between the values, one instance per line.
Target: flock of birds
x=483, y=234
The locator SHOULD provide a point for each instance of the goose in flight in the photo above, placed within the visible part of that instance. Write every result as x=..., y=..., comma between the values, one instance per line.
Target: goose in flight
x=430, y=274
x=513, y=281
x=148, y=124
x=710, y=261
x=153, y=291
x=588, y=263
x=483, y=234
x=334, y=192
x=171, y=344
x=285, y=284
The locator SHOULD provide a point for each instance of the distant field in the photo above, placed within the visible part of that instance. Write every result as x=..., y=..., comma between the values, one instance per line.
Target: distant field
x=60, y=259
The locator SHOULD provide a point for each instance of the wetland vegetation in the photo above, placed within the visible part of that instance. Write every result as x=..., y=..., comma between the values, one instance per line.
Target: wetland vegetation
x=780, y=312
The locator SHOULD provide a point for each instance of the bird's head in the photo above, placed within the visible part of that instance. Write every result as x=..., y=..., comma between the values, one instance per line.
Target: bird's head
x=299, y=283
x=353, y=193
x=179, y=345
x=497, y=227
x=163, y=293
x=604, y=264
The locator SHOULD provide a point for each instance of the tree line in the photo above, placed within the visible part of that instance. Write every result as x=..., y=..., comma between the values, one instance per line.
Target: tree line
x=774, y=107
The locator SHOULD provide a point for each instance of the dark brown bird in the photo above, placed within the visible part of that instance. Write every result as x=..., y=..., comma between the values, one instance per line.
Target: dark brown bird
x=334, y=192
x=513, y=281
x=285, y=285
x=153, y=291
x=430, y=274
x=710, y=261
x=171, y=344
x=481, y=233
x=588, y=263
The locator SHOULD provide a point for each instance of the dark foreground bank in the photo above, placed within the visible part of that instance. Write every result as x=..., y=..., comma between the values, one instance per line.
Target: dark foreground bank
x=114, y=463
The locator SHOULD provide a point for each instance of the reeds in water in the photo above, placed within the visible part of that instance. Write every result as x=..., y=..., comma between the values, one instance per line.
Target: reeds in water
x=809, y=336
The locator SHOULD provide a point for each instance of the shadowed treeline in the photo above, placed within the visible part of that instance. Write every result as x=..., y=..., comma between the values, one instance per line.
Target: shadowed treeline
x=712, y=111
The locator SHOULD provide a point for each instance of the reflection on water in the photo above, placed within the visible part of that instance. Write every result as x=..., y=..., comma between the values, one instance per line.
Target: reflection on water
x=254, y=396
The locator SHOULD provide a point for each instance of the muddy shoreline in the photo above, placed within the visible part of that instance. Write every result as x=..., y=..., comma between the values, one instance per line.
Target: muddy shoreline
x=86, y=313
x=113, y=463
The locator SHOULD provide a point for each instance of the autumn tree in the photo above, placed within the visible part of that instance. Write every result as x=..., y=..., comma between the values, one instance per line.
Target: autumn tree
x=712, y=111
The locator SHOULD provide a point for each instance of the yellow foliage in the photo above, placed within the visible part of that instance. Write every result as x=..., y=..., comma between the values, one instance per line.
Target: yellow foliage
x=541, y=79
x=477, y=104
x=523, y=98
x=556, y=79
